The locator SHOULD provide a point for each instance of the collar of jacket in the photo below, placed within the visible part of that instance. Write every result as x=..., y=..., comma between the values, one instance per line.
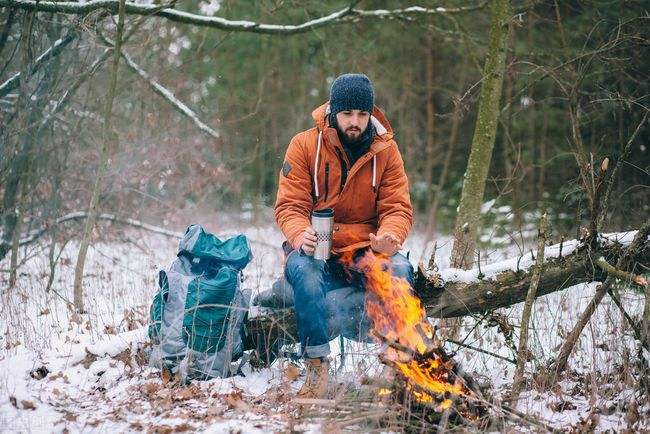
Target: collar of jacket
x=382, y=126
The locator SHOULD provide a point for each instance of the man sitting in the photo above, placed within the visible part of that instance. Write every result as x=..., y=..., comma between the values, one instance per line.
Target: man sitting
x=348, y=162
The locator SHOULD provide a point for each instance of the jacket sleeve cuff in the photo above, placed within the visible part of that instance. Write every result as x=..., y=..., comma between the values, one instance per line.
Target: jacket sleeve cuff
x=295, y=236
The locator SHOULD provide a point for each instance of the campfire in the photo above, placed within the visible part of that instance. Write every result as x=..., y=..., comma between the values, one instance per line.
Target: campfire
x=400, y=322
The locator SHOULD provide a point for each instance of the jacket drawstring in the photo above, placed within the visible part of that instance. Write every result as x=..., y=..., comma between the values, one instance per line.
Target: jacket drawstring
x=318, y=146
x=374, y=173
x=320, y=138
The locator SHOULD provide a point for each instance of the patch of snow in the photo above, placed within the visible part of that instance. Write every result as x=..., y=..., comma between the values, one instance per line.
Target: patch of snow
x=107, y=392
x=487, y=206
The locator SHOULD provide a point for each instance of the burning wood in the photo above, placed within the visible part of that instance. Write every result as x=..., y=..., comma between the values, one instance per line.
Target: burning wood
x=400, y=322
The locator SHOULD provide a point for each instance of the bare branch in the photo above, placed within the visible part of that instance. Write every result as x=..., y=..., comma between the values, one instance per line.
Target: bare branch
x=640, y=240
x=522, y=349
x=13, y=82
x=82, y=215
x=620, y=274
x=169, y=96
x=346, y=14
x=617, y=167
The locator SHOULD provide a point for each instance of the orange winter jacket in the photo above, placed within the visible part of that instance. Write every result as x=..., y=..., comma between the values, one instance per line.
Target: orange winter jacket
x=371, y=196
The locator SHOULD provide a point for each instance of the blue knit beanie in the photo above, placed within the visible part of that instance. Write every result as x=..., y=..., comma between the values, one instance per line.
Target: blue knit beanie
x=351, y=92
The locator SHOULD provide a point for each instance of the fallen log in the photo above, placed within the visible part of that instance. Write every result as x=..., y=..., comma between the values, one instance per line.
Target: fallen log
x=509, y=287
x=454, y=293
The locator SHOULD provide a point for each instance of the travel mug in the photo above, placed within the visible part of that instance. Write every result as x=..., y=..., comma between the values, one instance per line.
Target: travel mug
x=322, y=221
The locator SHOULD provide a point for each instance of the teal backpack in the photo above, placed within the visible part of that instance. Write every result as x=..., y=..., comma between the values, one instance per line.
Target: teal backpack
x=197, y=315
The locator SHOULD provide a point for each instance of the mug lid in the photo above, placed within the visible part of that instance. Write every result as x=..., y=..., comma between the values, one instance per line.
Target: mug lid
x=325, y=212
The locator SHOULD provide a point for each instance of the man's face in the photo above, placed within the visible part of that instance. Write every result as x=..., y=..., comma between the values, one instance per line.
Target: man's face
x=352, y=123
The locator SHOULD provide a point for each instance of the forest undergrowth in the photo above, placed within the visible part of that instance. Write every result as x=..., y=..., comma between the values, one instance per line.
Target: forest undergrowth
x=67, y=372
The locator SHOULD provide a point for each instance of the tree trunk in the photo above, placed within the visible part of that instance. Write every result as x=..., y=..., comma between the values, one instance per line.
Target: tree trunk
x=645, y=324
x=541, y=161
x=7, y=28
x=431, y=113
x=15, y=246
x=442, y=179
x=484, y=134
x=109, y=144
x=20, y=161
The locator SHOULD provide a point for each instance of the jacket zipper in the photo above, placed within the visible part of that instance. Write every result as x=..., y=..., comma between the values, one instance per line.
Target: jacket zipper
x=344, y=169
x=327, y=179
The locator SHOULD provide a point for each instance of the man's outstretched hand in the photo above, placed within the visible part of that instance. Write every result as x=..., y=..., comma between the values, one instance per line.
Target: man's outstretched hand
x=385, y=243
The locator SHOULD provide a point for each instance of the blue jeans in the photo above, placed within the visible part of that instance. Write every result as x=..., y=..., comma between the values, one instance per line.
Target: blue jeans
x=330, y=300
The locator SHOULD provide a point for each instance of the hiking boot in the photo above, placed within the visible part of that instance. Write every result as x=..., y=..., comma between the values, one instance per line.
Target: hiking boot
x=317, y=379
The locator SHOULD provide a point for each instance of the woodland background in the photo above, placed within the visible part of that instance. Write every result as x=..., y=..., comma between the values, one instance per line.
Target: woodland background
x=256, y=91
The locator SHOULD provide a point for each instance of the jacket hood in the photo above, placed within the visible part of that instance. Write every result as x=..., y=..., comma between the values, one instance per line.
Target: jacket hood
x=378, y=119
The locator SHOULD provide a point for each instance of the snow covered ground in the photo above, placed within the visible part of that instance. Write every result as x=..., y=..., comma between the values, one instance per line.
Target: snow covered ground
x=95, y=378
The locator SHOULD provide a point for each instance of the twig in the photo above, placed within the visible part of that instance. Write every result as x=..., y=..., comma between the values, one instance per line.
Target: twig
x=610, y=182
x=14, y=81
x=481, y=350
x=82, y=215
x=166, y=93
x=522, y=349
x=630, y=320
x=314, y=401
x=620, y=274
x=639, y=240
x=531, y=420
x=394, y=344
x=368, y=416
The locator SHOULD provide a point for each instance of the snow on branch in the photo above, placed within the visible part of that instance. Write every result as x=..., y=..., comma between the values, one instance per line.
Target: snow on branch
x=58, y=46
x=82, y=215
x=169, y=96
x=346, y=14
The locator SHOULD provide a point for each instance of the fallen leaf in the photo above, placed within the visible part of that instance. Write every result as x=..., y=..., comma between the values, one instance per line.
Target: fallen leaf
x=76, y=318
x=235, y=402
x=27, y=405
x=150, y=388
x=183, y=394
x=166, y=376
x=292, y=372
x=124, y=357
x=89, y=359
x=562, y=405
x=182, y=427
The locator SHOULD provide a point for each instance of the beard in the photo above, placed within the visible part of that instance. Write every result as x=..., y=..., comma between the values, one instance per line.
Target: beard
x=353, y=134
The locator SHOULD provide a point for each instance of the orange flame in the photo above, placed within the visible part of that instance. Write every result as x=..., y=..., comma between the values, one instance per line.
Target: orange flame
x=398, y=316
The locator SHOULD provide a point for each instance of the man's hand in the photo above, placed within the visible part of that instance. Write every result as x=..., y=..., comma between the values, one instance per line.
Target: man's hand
x=385, y=243
x=307, y=241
